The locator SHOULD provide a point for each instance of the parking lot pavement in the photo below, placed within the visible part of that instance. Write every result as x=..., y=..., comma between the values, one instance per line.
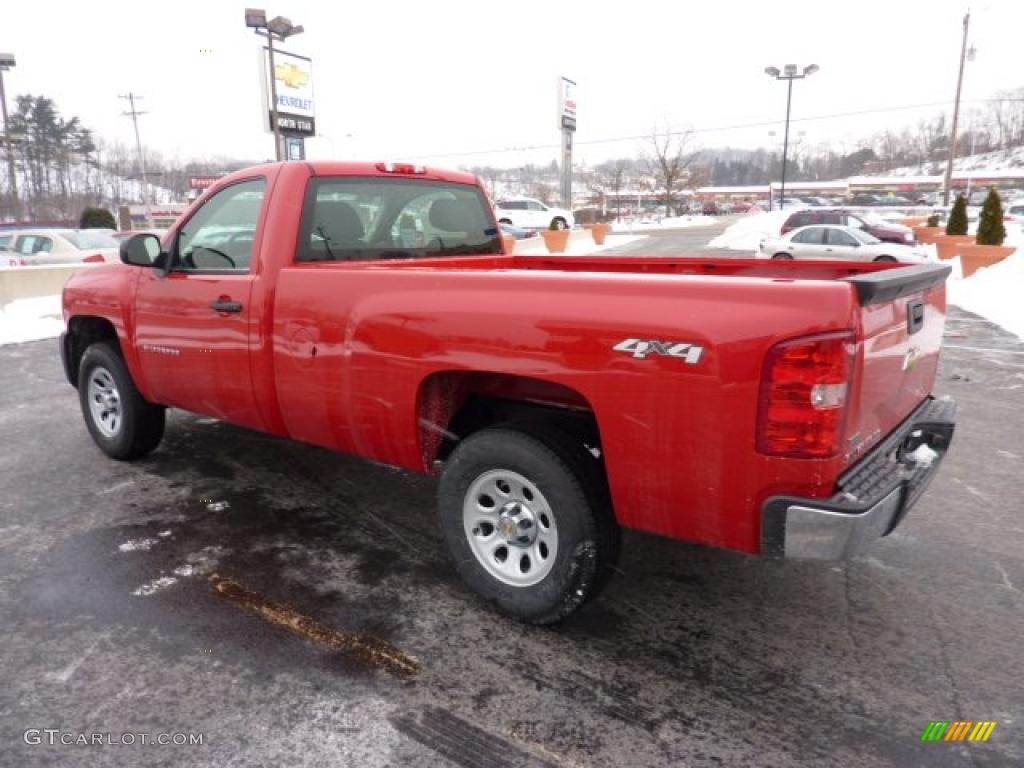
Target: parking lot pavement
x=295, y=607
x=687, y=241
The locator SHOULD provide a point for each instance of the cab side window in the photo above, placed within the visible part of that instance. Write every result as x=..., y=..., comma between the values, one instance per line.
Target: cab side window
x=220, y=235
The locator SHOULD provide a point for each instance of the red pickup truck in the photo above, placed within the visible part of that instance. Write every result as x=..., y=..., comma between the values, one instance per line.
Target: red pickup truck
x=782, y=409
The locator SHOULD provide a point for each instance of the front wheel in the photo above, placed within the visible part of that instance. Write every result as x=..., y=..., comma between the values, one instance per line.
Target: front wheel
x=522, y=528
x=122, y=423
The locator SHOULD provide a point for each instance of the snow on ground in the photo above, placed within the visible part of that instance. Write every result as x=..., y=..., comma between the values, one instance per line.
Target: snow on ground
x=673, y=222
x=30, y=319
x=995, y=292
x=580, y=247
x=999, y=160
x=747, y=233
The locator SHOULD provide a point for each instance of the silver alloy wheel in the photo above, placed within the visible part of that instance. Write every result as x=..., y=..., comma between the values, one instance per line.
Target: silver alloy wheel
x=510, y=527
x=104, y=402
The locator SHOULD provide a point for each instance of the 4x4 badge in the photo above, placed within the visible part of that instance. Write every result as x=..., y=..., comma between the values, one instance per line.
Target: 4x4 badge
x=641, y=348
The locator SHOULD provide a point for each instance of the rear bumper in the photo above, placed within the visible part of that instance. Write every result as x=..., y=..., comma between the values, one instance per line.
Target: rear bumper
x=873, y=496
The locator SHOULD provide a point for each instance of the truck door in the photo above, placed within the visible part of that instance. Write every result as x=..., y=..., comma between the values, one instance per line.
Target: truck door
x=192, y=325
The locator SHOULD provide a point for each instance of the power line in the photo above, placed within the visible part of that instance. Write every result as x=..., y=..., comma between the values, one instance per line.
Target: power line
x=717, y=129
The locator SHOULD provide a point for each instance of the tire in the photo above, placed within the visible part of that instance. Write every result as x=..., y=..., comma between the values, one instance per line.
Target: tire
x=884, y=258
x=132, y=426
x=782, y=256
x=505, y=221
x=559, y=223
x=551, y=503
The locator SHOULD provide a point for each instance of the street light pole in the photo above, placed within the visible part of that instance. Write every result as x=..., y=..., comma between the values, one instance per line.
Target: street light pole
x=789, y=74
x=280, y=29
x=956, y=113
x=134, y=113
x=6, y=62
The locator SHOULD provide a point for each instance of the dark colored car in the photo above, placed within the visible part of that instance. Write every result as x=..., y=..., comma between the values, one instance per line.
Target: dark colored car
x=710, y=208
x=889, y=233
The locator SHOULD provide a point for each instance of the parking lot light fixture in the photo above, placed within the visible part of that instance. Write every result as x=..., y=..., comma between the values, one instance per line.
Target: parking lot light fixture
x=280, y=29
x=789, y=74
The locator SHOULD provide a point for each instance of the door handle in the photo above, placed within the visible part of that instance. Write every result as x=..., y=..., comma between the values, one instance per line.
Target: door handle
x=224, y=304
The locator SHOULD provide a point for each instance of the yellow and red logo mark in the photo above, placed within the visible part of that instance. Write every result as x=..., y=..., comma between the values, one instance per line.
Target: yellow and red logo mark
x=958, y=730
x=291, y=75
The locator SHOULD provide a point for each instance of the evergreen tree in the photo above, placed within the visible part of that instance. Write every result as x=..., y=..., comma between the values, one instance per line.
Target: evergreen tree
x=97, y=218
x=990, y=226
x=957, y=224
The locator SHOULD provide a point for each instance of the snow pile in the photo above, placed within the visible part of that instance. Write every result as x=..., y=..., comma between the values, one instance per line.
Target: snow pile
x=747, y=233
x=30, y=319
x=923, y=456
x=994, y=293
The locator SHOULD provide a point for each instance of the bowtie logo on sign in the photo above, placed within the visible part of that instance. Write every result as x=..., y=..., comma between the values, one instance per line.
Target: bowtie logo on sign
x=291, y=75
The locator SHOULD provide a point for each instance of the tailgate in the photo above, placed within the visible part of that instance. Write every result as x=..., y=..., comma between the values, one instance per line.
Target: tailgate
x=902, y=316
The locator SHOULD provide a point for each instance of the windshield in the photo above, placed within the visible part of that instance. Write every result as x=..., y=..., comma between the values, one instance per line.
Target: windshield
x=357, y=219
x=91, y=238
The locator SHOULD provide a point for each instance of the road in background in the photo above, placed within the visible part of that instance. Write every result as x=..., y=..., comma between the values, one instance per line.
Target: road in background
x=683, y=241
x=692, y=657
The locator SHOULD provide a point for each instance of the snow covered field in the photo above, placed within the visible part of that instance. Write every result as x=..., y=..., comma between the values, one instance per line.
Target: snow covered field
x=30, y=319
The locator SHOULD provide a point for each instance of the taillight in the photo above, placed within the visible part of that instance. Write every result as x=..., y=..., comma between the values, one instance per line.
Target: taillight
x=804, y=390
x=408, y=168
x=96, y=258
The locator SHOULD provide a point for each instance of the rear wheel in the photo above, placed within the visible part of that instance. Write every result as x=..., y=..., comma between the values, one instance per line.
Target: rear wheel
x=885, y=258
x=523, y=525
x=782, y=256
x=122, y=423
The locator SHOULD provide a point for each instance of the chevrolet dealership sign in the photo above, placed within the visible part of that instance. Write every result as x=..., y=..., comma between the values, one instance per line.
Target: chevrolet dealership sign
x=293, y=83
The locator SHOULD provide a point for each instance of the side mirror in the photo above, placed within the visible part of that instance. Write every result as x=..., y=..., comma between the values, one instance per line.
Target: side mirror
x=141, y=250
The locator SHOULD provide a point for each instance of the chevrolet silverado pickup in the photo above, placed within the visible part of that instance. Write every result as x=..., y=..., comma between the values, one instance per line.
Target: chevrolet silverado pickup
x=775, y=408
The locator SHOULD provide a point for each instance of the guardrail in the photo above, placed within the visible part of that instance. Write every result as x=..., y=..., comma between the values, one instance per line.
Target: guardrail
x=31, y=282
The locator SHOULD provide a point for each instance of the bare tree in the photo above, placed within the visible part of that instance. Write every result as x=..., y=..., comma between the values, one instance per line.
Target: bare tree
x=669, y=157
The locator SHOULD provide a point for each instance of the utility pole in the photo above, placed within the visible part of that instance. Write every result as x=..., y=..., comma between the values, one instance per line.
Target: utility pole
x=6, y=62
x=131, y=99
x=956, y=113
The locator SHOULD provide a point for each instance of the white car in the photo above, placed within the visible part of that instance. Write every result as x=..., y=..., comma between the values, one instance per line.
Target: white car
x=835, y=242
x=64, y=246
x=532, y=214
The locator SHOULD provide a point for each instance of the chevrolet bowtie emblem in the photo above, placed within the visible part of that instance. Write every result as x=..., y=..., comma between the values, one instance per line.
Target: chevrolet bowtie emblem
x=291, y=75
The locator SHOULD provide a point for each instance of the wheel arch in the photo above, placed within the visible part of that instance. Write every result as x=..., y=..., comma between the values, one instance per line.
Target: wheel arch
x=83, y=331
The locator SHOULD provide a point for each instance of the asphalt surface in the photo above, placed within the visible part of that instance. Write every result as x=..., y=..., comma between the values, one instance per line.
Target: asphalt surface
x=280, y=553
x=688, y=241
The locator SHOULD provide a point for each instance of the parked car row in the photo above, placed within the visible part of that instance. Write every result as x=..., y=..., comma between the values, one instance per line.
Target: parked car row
x=826, y=241
x=883, y=230
x=27, y=247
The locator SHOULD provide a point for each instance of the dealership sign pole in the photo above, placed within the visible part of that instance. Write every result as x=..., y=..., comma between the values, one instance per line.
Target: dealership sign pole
x=567, y=123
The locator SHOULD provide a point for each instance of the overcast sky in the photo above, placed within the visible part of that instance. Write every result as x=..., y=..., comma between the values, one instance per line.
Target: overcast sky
x=415, y=80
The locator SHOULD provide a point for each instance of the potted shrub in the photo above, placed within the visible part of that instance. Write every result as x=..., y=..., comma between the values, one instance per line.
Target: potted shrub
x=508, y=243
x=600, y=231
x=989, y=248
x=555, y=239
x=929, y=231
x=948, y=245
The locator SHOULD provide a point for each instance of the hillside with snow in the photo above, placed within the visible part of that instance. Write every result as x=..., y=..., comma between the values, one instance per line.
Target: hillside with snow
x=997, y=162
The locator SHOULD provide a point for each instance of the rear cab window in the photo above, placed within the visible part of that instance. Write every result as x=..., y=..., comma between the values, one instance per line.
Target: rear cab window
x=369, y=219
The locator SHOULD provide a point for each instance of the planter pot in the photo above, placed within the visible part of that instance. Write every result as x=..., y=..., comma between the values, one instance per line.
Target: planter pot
x=914, y=221
x=509, y=243
x=556, y=240
x=948, y=246
x=975, y=257
x=600, y=232
x=927, y=234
